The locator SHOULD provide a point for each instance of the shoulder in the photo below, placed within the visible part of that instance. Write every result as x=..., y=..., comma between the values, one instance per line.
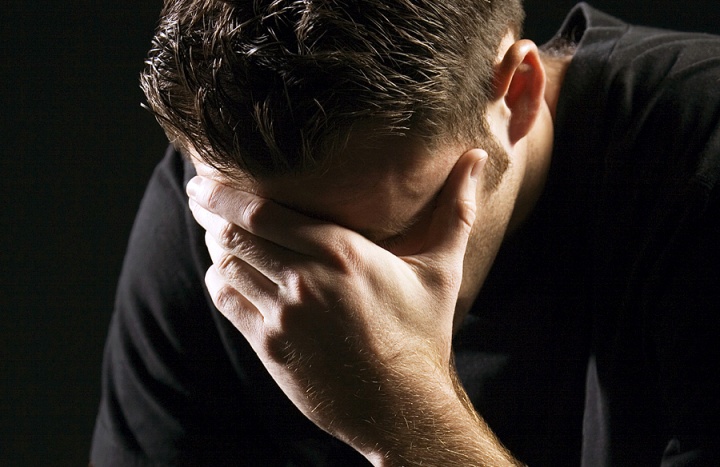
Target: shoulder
x=639, y=94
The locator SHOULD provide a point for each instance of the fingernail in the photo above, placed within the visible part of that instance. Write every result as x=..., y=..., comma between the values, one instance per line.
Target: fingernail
x=478, y=166
x=193, y=187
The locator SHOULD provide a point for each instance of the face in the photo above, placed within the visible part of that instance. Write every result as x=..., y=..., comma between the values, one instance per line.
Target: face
x=386, y=192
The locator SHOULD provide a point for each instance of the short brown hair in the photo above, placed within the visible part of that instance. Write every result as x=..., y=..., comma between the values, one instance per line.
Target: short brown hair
x=271, y=87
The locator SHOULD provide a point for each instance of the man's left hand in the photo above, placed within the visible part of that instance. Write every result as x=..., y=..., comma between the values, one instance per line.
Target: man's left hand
x=358, y=338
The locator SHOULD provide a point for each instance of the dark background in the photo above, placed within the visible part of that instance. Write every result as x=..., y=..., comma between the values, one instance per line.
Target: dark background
x=76, y=151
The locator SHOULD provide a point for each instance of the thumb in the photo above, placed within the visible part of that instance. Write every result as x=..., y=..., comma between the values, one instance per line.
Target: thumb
x=454, y=214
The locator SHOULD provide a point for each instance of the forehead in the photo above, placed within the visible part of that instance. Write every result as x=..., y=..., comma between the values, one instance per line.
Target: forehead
x=378, y=190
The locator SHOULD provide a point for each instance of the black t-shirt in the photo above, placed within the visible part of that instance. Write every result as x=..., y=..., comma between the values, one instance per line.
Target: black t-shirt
x=593, y=341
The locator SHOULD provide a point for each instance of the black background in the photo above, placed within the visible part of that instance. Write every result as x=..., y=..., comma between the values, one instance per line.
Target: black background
x=76, y=151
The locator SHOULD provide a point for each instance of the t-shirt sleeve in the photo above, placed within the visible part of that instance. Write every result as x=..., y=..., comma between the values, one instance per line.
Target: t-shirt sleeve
x=147, y=378
x=170, y=393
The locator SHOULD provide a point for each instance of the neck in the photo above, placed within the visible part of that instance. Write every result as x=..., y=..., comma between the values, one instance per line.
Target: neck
x=539, y=142
x=556, y=67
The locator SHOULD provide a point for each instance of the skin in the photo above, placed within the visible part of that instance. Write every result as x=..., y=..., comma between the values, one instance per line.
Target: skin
x=349, y=285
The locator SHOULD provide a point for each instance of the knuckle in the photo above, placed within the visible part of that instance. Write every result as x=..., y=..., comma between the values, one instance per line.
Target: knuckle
x=342, y=252
x=252, y=213
x=228, y=266
x=214, y=196
x=466, y=210
x=230, y=236
x=226, y=298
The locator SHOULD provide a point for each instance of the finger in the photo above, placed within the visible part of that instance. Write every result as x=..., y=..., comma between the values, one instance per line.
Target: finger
x=216, y=251
x=266, y=257
x=454, y=215
x=233, y=305
x=265, y=218
x=227, y=234
x=243, y=277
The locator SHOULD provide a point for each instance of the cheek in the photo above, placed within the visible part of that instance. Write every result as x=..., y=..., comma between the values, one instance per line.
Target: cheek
x=411, y=242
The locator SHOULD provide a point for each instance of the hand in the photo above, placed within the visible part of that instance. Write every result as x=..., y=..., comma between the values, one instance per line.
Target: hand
x=358, y=338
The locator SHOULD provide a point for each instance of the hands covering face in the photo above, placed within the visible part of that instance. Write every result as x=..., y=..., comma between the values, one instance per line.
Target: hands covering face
x=355, y=336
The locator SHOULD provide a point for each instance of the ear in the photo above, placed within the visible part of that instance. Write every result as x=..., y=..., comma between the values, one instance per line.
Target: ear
x=520, y=82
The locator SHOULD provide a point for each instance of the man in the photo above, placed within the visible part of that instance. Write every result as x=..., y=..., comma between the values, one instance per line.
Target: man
x=384, y=184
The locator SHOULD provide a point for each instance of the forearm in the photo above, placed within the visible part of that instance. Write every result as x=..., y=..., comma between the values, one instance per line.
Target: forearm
x=440, y=427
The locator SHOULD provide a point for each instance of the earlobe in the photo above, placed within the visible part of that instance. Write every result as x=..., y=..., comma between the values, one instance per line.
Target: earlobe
x=520, y=83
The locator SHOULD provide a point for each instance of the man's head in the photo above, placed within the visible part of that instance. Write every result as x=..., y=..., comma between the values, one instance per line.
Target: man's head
x=271, y=88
